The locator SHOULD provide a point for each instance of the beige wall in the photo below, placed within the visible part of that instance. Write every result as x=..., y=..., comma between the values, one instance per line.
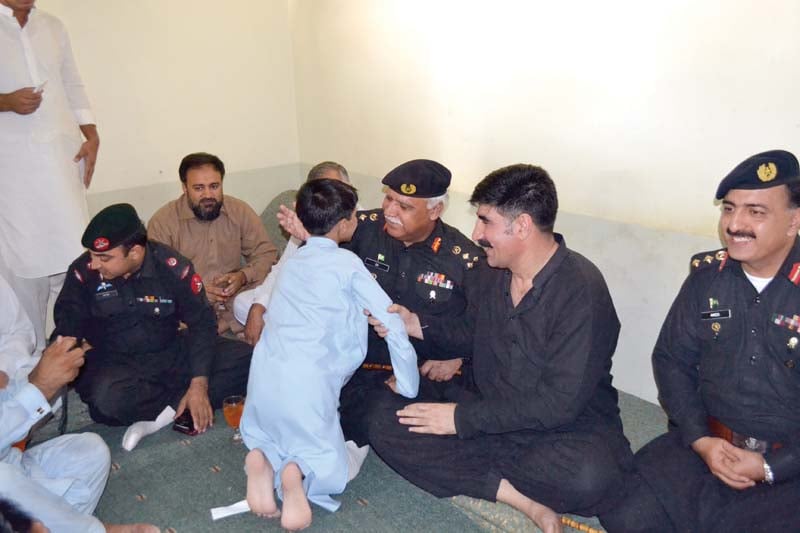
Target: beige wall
x=169, y=77
x=636, y=108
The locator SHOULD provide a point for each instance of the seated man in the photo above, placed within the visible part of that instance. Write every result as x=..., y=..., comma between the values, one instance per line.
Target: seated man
x=126, y=297
x=540, y=430
x=60, y=481
x=423, y=264
x=215, y=232
x=250, y=305
x=727, y=366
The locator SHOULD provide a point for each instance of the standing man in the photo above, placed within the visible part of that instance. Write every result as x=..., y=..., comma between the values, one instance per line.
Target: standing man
x=727, y=366
x=45, y=165
x=541, y=430
x=215, y=232
x=126, y=297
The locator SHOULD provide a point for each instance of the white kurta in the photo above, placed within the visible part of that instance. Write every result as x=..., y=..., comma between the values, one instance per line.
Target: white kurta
x=314, y=338
x=60, y=481
x=43, y=209
x=17, y=340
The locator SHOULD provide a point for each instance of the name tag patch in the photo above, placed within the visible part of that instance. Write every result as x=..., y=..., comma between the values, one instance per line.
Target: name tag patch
x=715, y=314
x=376, y=264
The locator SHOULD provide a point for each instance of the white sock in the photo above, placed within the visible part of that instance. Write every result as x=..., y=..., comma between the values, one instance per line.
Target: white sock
x=138, y=430
x=355, y=458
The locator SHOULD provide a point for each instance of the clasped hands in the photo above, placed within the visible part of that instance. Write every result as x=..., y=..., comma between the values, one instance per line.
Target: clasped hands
x=739, y=469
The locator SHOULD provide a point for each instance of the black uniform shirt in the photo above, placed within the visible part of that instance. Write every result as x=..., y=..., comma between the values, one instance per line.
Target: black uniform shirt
x=434, y=279
x=732, y=353
x=139, y=315
x=544, y=364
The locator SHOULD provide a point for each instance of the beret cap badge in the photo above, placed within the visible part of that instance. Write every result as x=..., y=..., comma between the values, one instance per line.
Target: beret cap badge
x=101, y=244
x=767, y=172
x=408, y=188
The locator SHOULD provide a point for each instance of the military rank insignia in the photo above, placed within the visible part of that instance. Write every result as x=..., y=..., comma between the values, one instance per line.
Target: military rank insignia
x=196, y=283
x=436, y=244
x=794, y=274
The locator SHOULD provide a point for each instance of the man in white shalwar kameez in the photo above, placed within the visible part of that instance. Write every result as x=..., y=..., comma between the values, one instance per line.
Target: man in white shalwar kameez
x=60, y=481
x=45, y=164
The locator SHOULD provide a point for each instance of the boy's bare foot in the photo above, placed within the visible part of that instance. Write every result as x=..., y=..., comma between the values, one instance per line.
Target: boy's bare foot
x=260, y=494
x=296, y=509
x=131, y=528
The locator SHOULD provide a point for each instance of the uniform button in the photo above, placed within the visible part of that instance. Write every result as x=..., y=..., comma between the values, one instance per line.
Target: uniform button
x=753, y=359
x=403, y=275
x=757, y=299
x=753, y=331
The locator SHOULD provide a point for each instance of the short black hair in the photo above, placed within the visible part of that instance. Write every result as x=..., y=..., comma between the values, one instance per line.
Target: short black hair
x=794, y=193
x=321, y=204
x=318, y=170
x=13, y=519
x=199, y=159
x=518, y=189
x=140, y=238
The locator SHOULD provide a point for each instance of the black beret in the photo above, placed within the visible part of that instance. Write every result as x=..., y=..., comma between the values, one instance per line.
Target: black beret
x=110, y=227
x=761, y=171
x=420, y=178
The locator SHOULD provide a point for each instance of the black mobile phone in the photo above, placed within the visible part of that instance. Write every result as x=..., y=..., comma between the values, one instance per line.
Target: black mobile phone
x=185, y=423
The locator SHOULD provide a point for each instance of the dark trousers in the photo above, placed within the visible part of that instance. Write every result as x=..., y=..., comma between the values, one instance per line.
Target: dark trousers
x=672, y=490
x=121, y=389
x=354, y=399
x=569, y=471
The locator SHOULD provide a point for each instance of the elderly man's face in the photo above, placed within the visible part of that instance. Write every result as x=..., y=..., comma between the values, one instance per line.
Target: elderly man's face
x=203, y=190
x=408, y=219
x=759, y=227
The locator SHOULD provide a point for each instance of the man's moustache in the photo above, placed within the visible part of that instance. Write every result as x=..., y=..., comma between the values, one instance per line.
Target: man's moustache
x=739, y=234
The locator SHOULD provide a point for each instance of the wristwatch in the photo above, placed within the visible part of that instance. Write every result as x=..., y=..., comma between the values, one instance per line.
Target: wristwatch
x=769, y=477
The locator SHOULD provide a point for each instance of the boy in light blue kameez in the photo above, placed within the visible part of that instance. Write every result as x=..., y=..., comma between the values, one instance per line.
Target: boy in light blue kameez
x=314, y=338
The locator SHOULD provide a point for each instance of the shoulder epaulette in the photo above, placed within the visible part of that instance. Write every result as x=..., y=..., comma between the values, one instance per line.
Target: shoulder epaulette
x=469, y=253
x=175, y=262
x=702, y=260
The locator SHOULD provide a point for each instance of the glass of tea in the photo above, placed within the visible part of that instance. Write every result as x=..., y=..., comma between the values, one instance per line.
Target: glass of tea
x=232, y=408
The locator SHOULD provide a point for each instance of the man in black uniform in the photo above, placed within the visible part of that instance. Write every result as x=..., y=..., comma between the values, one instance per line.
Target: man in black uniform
x=126, y=296
x=541, y=432
x=727, y=366
x=422, y=264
